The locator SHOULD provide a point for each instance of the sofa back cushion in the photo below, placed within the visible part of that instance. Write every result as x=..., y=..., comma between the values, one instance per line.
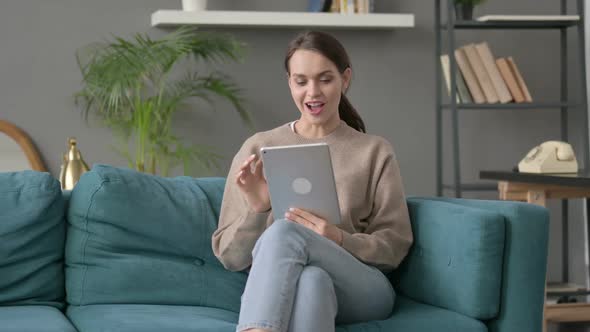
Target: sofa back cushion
x=143, y=239
x=32, y=239
x=456, y=259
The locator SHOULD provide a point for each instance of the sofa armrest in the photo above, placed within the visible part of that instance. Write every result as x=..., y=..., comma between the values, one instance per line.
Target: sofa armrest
x=524, y=262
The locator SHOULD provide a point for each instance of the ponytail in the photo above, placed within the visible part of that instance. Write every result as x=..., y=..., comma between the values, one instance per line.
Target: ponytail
x=350, y=115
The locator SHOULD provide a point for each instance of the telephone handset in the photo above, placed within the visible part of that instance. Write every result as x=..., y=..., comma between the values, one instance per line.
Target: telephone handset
x=550, y=157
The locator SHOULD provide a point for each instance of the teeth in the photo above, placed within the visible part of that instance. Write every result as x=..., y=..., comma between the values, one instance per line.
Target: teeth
x=314, y=104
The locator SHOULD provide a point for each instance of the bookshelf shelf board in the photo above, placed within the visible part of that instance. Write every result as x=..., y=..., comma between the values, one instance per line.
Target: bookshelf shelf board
x=566, y=289
x=210, y=18
x=570, y=293
x=539, y=105
x=549, y=24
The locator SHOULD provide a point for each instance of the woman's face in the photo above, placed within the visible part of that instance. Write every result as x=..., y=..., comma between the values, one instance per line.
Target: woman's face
x=316, y=86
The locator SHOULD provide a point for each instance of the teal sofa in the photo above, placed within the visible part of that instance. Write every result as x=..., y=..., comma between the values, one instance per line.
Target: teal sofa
x=126, y=251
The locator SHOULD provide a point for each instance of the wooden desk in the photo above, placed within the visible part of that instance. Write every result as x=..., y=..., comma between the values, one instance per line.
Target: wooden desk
x=536, y=189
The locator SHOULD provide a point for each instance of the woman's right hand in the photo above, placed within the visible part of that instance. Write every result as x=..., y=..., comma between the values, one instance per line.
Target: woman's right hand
x=253, y=184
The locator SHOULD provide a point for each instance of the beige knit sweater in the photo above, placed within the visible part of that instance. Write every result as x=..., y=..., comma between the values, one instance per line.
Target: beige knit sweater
x=375, y=222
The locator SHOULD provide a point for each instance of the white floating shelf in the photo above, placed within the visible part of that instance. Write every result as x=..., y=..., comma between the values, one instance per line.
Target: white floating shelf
x=208, y=18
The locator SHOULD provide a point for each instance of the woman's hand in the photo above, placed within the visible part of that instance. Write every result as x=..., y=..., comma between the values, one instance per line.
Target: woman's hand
x=253, y=184
x=316, y=224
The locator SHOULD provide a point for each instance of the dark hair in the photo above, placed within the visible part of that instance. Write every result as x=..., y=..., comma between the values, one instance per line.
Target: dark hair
x=332, y=49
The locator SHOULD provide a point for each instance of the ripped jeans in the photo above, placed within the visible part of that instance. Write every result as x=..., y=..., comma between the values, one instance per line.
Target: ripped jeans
x=301, y=281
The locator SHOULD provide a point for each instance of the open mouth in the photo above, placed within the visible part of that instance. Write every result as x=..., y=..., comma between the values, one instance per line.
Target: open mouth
x=315, y=107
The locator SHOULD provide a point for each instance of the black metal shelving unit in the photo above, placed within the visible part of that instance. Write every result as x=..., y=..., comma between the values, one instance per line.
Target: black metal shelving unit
x=446, y=32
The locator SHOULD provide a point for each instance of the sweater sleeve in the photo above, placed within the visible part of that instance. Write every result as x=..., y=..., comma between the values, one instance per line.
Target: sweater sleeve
x=388, y=236
x=239, y=226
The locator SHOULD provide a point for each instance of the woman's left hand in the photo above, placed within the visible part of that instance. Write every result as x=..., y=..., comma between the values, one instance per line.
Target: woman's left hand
x=316, y=224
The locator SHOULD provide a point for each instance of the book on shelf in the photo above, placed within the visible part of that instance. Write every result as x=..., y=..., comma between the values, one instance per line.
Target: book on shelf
x=481, y=73
x=523, y=86
x=362, y=6
x=335, y=6
x=487, y=59
x=462, y=93
x=529, y=18
x=352, y=6
x=319, y=6
x=469, y=76
x=510, y=80
x=346, y=6
x=487, y=79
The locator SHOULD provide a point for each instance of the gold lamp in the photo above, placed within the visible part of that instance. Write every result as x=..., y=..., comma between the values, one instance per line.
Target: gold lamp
x=73, y=166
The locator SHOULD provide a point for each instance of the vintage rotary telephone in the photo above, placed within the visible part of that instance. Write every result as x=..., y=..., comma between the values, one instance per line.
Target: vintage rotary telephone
x=550, y=157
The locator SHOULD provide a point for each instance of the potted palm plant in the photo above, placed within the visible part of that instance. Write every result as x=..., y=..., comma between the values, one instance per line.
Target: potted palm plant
x=128, y=83
x=464, y=9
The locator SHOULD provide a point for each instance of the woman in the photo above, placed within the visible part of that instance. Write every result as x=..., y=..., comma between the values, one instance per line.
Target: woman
x=307, y=274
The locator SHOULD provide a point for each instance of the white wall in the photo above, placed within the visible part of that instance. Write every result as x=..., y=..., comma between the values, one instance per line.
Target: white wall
x=12, y=158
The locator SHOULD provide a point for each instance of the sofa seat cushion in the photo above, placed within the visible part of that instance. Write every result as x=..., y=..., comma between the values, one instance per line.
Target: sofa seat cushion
x=412, y=316
x=456, y=259
x=151, y=318
x=32, y=239
x=144, y=239
x=33, y=318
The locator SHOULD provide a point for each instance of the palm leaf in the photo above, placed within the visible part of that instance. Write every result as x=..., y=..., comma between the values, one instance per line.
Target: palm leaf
x=126, y=83
x=193, y=85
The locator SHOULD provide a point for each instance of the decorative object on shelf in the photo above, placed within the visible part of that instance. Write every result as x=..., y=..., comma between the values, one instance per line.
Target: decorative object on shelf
x=73, y=166
x=128, y=84
x=319, y=6
x=17, y=151
x=464, y=9
x=550, y=157
x=194, y=5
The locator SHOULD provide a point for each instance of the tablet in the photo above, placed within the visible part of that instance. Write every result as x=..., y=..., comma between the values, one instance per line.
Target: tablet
x=301, y=176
